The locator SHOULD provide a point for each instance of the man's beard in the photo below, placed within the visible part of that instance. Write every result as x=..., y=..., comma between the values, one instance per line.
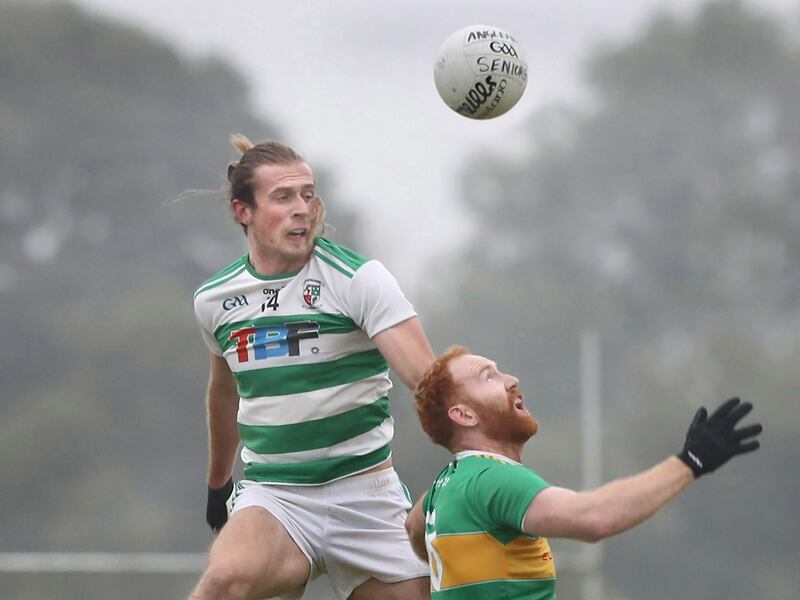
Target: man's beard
x=506, y=423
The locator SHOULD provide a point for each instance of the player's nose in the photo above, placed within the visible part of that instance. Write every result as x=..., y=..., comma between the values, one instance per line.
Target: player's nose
x=511, y=382
x=300, y=205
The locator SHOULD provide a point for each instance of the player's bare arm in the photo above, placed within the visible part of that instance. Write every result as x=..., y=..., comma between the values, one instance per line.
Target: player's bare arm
x=624, y=503
x=406, y=349
x=415, y=526
x=223, y=404
x=608, y=510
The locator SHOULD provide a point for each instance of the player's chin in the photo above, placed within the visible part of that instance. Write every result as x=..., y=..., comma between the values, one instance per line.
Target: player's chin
x=528, y=424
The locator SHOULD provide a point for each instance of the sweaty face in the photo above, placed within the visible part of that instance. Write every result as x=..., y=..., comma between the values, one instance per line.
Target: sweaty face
x=280, y=226
x=496, y=399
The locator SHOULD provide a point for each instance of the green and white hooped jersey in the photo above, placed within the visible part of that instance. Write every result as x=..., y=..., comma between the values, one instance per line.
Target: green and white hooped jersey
x=477, y=549
x=313, y=387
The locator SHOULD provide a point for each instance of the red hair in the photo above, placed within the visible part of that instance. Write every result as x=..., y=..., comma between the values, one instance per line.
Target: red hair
x=435, y=394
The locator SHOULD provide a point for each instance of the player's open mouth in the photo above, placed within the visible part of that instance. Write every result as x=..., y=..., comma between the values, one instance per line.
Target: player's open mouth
x=298, y=233
x=519, y=404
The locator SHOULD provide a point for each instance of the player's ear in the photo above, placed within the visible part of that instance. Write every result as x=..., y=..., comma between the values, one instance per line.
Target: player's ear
x=242, y=212
x=462, y=415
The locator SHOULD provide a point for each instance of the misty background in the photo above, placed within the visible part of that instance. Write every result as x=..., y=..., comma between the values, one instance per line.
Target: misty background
x=648, y=193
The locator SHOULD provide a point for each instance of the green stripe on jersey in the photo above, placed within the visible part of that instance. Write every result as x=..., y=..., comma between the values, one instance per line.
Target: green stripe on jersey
x=510, y=589
x=332, y=263
x=328, y=323
x=318, y=433
x=223, y=276
x=298, y=379
x=350, y=258
x=315, y=471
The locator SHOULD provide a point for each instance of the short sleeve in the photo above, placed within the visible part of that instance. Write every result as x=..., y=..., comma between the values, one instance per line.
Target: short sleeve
x=506, y=491
x=375, y=299
x=208, y=336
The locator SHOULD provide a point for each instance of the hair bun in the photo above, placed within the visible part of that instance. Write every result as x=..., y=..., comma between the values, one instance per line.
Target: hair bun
x=241, y=142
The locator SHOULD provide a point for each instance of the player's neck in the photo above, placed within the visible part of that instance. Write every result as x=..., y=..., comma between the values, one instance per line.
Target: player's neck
x=510, y=450
x=275, y=264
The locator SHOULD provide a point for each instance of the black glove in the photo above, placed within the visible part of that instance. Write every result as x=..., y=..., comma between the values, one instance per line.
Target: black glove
x=713, y=441
x=216, y=507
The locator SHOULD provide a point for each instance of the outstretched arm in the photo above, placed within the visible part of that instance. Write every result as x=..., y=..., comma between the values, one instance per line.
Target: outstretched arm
x=624, y=503
x=406, y=349
x=613, y=508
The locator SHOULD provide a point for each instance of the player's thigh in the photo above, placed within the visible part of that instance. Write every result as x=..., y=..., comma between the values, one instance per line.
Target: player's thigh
x=254, y=548
x=410, y=589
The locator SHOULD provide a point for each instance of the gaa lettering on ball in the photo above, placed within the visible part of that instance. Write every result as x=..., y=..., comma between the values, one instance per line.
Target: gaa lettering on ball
x=480, y=72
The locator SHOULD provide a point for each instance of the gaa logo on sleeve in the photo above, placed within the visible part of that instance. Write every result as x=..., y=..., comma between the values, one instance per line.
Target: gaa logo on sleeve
x=312, y=289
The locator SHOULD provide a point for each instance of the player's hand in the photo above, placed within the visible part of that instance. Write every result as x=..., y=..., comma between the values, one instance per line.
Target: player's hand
x=713, y=441
x=217, y=505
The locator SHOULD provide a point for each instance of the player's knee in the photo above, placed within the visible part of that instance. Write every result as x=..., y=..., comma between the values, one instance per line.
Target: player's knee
x=224, y=582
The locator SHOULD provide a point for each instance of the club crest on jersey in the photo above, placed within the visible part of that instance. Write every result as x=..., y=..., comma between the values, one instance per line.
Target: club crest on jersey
x=312, y=290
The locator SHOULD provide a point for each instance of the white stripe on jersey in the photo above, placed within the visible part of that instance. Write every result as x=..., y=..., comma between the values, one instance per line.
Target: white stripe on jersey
x=317, y=404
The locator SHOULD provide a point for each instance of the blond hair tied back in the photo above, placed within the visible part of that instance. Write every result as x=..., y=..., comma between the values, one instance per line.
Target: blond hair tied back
x=241, y=142
x=241, y=173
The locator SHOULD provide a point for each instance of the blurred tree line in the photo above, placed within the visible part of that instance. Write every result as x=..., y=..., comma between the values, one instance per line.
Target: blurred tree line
x=664, y=214
x=102, y=423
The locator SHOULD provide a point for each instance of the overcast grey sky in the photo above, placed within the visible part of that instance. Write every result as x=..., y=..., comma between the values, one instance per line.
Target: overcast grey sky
x=350, y=83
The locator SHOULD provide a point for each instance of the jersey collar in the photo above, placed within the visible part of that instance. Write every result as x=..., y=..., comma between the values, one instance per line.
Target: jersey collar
x=465, y=453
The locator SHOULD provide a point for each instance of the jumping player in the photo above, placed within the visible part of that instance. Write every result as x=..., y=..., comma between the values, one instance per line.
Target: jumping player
x=302, y=333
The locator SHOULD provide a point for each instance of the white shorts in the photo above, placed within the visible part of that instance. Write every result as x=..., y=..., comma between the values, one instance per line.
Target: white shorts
x=352, y=529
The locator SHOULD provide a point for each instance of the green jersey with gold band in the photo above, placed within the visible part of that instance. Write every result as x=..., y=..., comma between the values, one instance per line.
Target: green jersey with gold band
x=313, y=387
x=473, y=532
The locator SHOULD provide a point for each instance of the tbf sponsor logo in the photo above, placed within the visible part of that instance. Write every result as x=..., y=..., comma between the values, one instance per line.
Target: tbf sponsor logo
x=267, y=341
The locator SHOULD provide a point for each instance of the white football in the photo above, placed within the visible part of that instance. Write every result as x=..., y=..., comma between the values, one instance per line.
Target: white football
x=480, y=71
